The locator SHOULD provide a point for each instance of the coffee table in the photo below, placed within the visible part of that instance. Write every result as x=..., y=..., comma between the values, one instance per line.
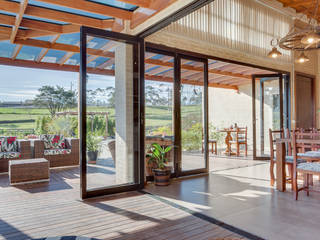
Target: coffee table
x=28, y=171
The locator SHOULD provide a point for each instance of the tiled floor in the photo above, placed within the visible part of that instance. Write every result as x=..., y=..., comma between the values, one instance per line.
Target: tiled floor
x=243, y=198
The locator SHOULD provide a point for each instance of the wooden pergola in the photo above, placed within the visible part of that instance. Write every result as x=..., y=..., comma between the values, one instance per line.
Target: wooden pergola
x=45, y=34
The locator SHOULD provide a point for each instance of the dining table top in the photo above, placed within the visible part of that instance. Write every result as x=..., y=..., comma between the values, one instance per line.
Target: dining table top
x=227, y=130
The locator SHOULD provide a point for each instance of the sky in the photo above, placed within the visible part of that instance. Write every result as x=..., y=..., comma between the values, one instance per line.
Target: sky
x=20, y=84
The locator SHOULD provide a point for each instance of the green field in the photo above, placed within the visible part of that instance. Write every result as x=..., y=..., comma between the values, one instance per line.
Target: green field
x=155, y=116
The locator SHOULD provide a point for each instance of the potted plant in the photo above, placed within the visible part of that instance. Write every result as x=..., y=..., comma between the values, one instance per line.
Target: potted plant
x=93, y=144
x=158, y=159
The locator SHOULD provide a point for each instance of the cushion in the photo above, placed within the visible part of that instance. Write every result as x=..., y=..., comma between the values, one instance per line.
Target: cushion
x=8, y=155
x=309, y=166
x=289, y=159
x=57, y=151
x=311, y=154
x=8, y=144
x=53, y=141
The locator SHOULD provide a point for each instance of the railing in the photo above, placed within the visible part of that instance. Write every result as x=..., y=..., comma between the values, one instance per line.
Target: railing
x=14, y=131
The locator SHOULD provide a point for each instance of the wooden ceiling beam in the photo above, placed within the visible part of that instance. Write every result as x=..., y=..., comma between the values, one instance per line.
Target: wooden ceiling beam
x=51, y=14
x=197, y=69
x=139, y=3
x=92, y=7
x=139, y=16
x=186, y=81
x=44, y=51
x=62, y=47
x=52, y=66
x=16, y=51
x=22, y=7
x=297, y=4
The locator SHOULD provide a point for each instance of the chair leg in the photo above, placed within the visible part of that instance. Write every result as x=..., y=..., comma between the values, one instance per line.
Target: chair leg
x=290, y=170
x=295, y=186
x=215, y=148
x=238, y=150
x=246, y=149
x=272, y=178
x=307, y=185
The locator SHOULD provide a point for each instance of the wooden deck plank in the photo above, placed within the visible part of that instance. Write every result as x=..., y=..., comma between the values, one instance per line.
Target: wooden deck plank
x=55, y=209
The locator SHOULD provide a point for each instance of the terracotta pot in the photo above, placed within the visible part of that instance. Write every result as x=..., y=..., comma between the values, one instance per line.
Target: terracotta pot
x=161, y=177
x=92, y=157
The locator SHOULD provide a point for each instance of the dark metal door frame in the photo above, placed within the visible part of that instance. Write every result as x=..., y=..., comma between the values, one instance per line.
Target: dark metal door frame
x=138, y=113
x=177, y=70
x=177, y=109
x=254, y=123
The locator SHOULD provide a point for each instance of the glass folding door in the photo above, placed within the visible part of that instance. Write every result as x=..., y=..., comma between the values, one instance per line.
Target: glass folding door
x=110, y=112
x=159, y=108
x=267, y=111
x=193, y=115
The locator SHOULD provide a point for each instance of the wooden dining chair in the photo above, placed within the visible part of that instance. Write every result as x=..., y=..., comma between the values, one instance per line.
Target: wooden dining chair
x=311, y=164
x=273, y=135
x=241, y=138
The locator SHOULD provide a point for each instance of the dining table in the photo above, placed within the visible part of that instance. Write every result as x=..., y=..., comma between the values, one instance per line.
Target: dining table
x=227, y=139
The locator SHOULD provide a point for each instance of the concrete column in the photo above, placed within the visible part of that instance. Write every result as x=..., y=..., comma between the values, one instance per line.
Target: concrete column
x=124, y=113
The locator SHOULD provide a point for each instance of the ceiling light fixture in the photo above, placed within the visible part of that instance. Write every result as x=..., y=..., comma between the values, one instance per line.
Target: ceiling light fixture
x=302, y=58
x=274, y=53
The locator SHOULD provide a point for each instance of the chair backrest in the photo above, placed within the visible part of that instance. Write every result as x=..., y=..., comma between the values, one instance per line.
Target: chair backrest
x=303, y=140
x=273, y=135
x=241, y=134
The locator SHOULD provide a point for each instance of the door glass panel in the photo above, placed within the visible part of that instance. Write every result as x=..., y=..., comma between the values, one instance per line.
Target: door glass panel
x=159, y=74
x=192, y=112
x=110, y=114
x=267, y=113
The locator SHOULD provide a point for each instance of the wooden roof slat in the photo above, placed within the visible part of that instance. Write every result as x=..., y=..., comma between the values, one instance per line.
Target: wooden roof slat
x=62, y=47
x=52, y=66
x=16, y=51
x=140, y=3
x=44, y=51
x=139, y=17
x=197, y=69
x=22, y=7
x=108, y=63
x=185, y=81
x=92, y=7
x=55, y=15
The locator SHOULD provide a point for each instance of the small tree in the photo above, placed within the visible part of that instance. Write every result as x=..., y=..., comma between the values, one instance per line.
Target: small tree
x=55, y=99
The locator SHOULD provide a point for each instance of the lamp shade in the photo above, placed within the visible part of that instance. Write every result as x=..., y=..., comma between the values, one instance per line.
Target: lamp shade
x=311, y=38
x=302, y=58
x=274, y=53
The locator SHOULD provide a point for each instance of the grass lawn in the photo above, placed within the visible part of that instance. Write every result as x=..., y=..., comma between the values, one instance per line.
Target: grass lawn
x=155, y=116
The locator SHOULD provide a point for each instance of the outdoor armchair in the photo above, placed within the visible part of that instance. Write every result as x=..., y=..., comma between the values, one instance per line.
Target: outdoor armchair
x=13, y=149
x=59, y=151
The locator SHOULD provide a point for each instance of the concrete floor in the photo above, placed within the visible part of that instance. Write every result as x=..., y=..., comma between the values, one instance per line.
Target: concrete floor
x=243, y=198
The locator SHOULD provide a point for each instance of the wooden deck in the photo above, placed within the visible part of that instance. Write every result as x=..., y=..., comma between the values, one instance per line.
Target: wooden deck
x=55, y=209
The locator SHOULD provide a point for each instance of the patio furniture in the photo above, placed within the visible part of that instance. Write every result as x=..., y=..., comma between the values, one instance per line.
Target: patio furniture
x=59, y=151
x=12, y=149
x=213, y=143
x=28, y=171
x=228, y=140
x=273, y=135
x=282, y=158
x=241, y=139
x=312, y=158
